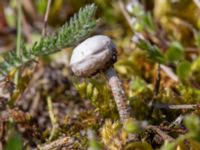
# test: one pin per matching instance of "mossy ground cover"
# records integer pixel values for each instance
(158, 64)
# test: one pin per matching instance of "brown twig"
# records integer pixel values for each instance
(171, 106)
(52, 118)
(126, 15)
(157, 81)
(156, 88)
(158, 131)
(46, 17)
(57, 144)
(192, 50)
(174, 130)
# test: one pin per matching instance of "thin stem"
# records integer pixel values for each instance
(126, 15)
(19, 27)
(43, 34)
(157, 81)
(171, 106)
(156, 89)
(19, 30)
(57, 144)
(121, 99)
(49, 101)
(46, 17)
(52, 118)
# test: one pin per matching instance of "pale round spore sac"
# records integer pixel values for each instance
(92, 55)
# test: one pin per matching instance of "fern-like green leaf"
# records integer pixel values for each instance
(152, 50)
(79, 26)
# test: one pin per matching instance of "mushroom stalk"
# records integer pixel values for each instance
(119, 94)
(97, 54)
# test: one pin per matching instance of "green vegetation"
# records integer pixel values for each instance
(158, 45)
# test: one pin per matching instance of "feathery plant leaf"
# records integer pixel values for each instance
(79, 26)
(152, 50)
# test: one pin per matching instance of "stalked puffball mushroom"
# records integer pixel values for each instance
(98, 54)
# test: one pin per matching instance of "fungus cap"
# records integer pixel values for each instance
(94, 54)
